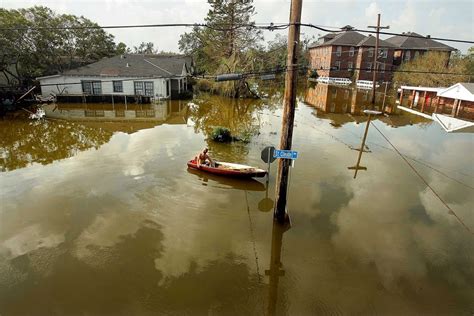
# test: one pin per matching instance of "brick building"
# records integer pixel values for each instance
(408, 48)
(349, 54)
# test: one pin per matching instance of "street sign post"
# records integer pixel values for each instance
(285, 154)
(267, 156)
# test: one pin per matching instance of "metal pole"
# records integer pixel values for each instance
(376, 53)
(362, 146)
(288, 110)
(269, 164)
(384, 96)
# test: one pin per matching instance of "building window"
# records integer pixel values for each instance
(382, 67)
(407, 55)
(149, 91)
(346, 94)
(369, 67)
(334, 93)
(350, 65)
(384, 53)
(118, 86)
(91, 87)
(417, 53)
(139, 87)
(167, 87)
(351, 51)
(371, 52)
(337, 64)
(144, 88)
(339, 51)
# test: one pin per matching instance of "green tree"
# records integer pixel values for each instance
(122, 49)
(222, 46)
(430, 64)
(145, 48)
(470, 63)
(37, 41)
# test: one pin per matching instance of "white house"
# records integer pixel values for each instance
(131, 75)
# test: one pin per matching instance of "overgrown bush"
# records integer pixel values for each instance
(203, 85)
(221, 134)
(313, 74)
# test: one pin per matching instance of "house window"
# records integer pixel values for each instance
(350, 65)
(369, 67)
(144, 88)
(384, 53)
(382, 67)
(337, 65)
(339, 51)
(149, 91)
(346, 94)
(118, 86)
(91, 87)
(167, 87)
(139, 87)
(371, 52)
(351, 51)
(407, 55)
(417, 53)
(334, 93)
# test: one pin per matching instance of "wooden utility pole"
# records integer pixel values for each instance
(376, 54)
(288, 109)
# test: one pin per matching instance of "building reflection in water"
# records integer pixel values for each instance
(275, 271)
(346, 100)
(169, 111)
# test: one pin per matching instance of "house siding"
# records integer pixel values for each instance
(70, 85)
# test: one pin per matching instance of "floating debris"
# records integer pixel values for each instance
(40, 113)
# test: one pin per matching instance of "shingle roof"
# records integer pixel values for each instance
(469, 86)
(135, 65)
(348, 38)
(407, 42)
(370, 41)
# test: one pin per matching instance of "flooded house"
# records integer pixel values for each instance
(133, 77)
(453, 106)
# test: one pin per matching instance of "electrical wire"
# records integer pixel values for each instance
(451, 211)
(262, 26)
(387, 33)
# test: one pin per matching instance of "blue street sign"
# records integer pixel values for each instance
(285, 154)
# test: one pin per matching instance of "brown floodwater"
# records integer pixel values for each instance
(99, 214)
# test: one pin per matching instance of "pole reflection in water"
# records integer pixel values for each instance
(275, 271)
(358, 167)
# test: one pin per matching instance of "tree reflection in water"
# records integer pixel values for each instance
(24, 142)
(240, 116)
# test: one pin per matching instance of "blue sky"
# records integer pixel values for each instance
(442, 18)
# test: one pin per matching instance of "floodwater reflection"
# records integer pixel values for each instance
(126, 229)
(225, 182)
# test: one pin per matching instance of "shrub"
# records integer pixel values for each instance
(221, 134)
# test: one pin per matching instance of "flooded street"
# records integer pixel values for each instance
(99, 214)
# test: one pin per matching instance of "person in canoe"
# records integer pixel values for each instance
(204, 159)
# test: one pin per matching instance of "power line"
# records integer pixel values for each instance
(424, 181)
(391, 33)
(252, 74)
(263, 26)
